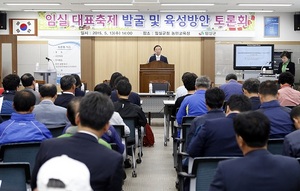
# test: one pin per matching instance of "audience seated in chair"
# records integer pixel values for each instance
(115, 119)
(287, 96)
(78, 91)
(194, 105)
(72, 111)
(188, 80)
(181, 90)
(279, 116)
(232, 86)
(10, 84)
(105, 165)
(217, 137)
(46, 112)
(250, 89)
(258, 170)
(291, 144)
(23, 127)
(126, 109)
(113, 77)
(133, 97)
(29, 84)
(214, 99)
(67, 84)
(63, 173)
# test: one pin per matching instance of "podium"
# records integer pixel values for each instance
(49, 76)
(156, 71)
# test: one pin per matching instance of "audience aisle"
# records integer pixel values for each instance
(156, 172)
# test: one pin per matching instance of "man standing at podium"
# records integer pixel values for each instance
(157, 55)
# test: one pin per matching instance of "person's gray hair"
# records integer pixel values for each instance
(203, 82)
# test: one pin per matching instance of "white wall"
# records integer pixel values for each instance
(224, 46)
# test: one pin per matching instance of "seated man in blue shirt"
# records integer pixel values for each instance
(10, 84)
(23, 127)
(194, 105)
(232, 86)
(281, 123)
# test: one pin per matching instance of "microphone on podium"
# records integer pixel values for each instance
(51, 62)
(262, 71)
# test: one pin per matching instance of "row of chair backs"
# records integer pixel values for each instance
(20, 152)
(14, 176)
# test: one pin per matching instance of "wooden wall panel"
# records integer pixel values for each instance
(116, 54)
(208, 58)
(125, 54)
(88, 61)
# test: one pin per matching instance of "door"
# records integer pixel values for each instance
(8, 55)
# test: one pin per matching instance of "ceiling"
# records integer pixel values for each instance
(149, 5)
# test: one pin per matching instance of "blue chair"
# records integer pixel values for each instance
(57, 131)
(120, 130)
(14, 176)
(5, 117)
(160, 86)
(275, 146)
(180, 143)
(202, 172)
(131, 122)
(20, 152)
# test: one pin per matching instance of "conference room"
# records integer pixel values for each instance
(94, 39)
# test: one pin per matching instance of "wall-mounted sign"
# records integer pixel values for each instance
(271, 27)
(156, 24)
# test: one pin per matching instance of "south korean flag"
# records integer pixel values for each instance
(24, 27)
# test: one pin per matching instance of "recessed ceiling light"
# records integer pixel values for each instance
(103, 4)
(47, 10)
(32, 4)
(186, 4)
(265, 4)
(108, 10)
(250, 11)
(182, 11)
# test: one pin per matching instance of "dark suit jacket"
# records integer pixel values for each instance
(79, 92)
(162, 58)
(260, 171)
(105, 165)
(215, 138)
(63, 100)
(290, 68)
(197, 123)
